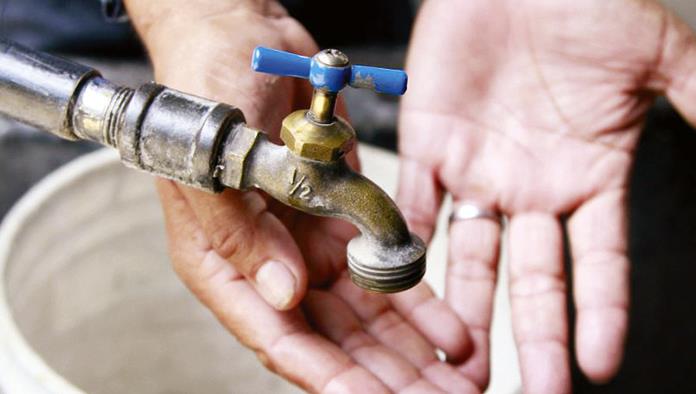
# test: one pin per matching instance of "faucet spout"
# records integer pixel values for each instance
(385, 257)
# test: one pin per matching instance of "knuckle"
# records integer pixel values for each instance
(232, 242)
(536, 284)
(266, 361)
(473, 270)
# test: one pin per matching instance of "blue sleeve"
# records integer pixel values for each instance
(114, 11)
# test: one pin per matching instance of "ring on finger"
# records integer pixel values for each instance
(469, 211)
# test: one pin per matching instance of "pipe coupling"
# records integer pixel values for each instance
(175, 135)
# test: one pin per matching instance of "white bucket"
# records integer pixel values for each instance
(89, 302)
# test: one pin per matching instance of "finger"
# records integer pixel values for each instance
(332, 317)
(597, 233)
(390, 328)
(676, 73)
(323, 241)
(419, 197)
(435, 320)
(282, 340)
(344, 326)
(382, 322)
(448, 378)
(255, 242)
(471, 280)
(537, 292)
(183, 230)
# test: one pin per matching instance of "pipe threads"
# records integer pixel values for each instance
(386, 270)
(115, 115)
(390, 280)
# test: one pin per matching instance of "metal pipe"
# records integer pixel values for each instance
(94, 109)
(40, 90)
(205, 144)
(159, 130)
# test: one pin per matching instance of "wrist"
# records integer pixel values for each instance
(157, 20)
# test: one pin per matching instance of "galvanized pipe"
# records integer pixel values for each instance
(94, 109)
(40, 90)
(156, 129)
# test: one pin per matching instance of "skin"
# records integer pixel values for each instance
(537, 105)
(534, 108)
(322, 333)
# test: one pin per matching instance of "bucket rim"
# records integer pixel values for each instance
(23, 369)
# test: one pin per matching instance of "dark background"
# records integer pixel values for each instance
(661, 348)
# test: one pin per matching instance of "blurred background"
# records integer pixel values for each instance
(661, 348)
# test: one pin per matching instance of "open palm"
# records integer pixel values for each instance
(534, 108)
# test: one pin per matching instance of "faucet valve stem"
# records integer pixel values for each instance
(323, 106)
(324, 100)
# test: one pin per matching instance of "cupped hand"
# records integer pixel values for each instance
(534, 108)
(275, 277)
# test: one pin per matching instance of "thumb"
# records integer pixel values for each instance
(241, 230)
(677, 68)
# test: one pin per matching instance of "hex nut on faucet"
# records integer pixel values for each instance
(314, 141)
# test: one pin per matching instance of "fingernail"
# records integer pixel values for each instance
(276, 284)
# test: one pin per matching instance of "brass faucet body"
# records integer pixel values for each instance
(384, 258)
(311, 174)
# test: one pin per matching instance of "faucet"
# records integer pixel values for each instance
(208, 145)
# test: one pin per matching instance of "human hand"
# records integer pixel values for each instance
(534, 108)
(251, 259)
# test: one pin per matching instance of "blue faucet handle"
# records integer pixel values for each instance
(329, 70)
(381, 80)
(273, 61)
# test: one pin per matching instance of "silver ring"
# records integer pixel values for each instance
(468, 211)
